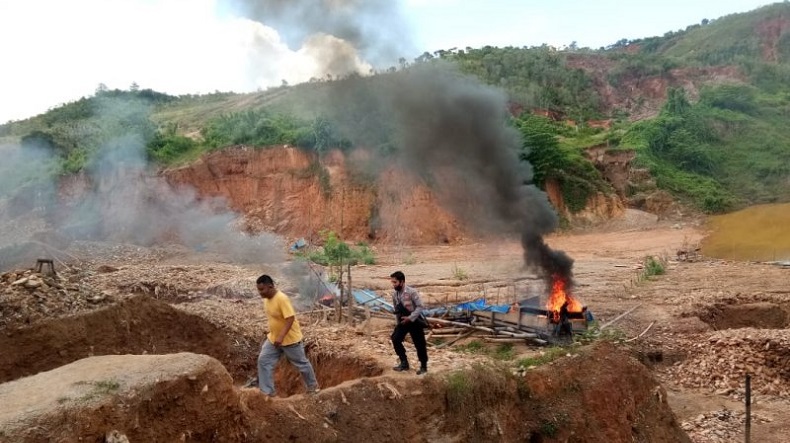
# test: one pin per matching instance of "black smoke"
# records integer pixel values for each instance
(450, 124)
(450, 132)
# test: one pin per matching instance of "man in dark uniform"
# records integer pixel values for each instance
(410, 320)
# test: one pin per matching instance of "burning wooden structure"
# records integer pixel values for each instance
(552, 317)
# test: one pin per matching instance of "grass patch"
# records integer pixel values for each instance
(473, 347)
(548, 428)
(98, 389)
(459, 273)
(336, 252)
(594, 333)
(503, 351)
(652, 266)
(547, 356)
(410, 259)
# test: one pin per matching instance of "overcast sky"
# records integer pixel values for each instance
(55, 51)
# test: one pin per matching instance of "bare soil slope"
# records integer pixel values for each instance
(601, 395)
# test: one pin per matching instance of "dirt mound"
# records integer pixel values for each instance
(599, 395)
(179, 397)
(141, 325)
(138, 325)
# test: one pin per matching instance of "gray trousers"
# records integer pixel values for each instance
(269, 357)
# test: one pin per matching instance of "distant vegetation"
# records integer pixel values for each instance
(534, 77)
(723, 147)
(577, 178)
(728, 148)
(336, 252)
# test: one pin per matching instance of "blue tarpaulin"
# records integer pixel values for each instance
(298, 244)
(481, 305)
(366, 297)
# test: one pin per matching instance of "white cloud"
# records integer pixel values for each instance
(58, 51)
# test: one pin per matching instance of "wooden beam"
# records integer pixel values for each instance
(616, 319)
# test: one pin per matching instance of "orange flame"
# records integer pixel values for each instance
(559, 296)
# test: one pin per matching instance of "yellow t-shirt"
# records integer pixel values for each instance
(278, 308)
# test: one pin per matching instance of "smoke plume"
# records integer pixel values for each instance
(118, 199)
(450, 124)
(450, 132)
(375, 29)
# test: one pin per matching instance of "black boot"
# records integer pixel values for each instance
(423, 369)
(403, 366)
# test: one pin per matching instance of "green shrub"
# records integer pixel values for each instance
(653, 266)
(336, 252)
(167, 149)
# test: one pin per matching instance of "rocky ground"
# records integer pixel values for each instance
(704, 324)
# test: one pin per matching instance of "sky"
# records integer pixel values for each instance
(57, 51)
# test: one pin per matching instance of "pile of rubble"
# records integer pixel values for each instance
(27, 296)
(174, 283)
(244, 318)
(719, 426)
(721, 360)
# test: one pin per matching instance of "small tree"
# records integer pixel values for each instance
(336, 252)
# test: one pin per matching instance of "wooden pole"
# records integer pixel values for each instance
(748, 435)
(460, 325)
(613, 321)
(349, 294)
(351, 300)
(339, 301)
(643, 332)
(459, 337)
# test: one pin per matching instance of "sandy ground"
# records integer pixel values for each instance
(607, 270)
(608, 276)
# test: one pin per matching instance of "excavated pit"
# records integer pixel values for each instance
(142, 325)
(761, 315)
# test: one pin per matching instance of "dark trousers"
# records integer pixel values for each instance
(417, 337)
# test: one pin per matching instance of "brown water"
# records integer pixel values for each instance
(756, 233)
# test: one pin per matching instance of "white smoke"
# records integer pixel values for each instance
(121, 200)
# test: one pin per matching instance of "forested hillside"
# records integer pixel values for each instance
(704, 109)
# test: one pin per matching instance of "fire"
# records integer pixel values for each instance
(559, 296)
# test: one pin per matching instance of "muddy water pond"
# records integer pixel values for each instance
(760, 233)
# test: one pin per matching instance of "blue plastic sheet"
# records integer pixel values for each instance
(366, 297)
(481, 305)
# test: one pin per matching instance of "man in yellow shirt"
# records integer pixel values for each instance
(285, 337)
